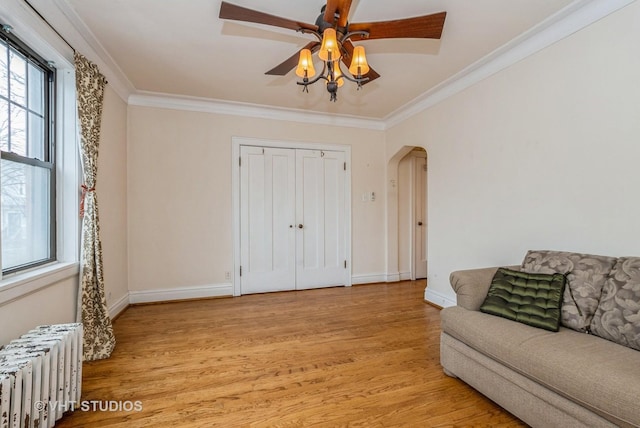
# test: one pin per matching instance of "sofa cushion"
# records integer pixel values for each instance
(530, 298)
(586, 275)
(595, 373)
(618, 315)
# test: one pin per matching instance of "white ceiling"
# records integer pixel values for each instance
(181, 47)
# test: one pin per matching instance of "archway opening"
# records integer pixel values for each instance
(406, 229)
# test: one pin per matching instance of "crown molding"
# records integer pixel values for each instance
(574, 17)
(206, 105)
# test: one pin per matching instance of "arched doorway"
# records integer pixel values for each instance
(407, 214)
(412, 215)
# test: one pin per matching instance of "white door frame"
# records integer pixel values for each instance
(236, 142)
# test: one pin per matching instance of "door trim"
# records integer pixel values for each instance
(236, 142)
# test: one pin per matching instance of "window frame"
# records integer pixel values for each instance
(48, 143)
(42, 39)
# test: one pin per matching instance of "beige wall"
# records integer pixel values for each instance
(541, 155)
(112, 196)
(179, 193)
(50, 305)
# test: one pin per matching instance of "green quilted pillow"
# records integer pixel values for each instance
(534, 299)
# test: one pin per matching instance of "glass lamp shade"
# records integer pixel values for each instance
(330, 49)
(359, 66)
(337, 75)
(305, 64)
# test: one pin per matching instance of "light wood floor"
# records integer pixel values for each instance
(363, 356)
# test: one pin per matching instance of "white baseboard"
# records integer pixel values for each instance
(368, 278)
(393, 277)
(438, 299)
(118, 306)
(380, 277)
(183, 293)
(405, 276)
(226, 290)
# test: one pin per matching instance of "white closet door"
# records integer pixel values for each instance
(420, 198)
(320, 213)
(267, 235)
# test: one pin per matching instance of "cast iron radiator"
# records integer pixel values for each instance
(40, 376)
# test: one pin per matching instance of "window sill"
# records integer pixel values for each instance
(19, 285)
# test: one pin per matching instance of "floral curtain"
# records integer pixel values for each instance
(99, 340)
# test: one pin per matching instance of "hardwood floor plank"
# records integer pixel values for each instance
(358, 356)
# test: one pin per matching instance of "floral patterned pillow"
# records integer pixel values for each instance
(586, 275)
(618, 315)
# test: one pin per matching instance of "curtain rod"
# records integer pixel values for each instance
(50, 26)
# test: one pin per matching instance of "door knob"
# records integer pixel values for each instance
(300, 226)
(419, 223)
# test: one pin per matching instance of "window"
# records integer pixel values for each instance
(27, 158)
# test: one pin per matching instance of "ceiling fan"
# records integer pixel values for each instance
(334, 16)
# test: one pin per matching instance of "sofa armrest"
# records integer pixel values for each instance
(471, 286)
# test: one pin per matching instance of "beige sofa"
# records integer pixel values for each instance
(568, 378)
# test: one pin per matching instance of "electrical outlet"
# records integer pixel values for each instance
(227, 275)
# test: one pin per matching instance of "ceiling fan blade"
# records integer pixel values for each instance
(290, 63)
(343, 10)
(340, 7)
(331, 10)
(420, 27)
(239, 13)
(346, 59)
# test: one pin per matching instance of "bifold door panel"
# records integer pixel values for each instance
(320, 205)
(292, 226)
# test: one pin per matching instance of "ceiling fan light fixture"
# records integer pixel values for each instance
(333, 19)
(305, 67)
(330, 49)
(359, 66)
